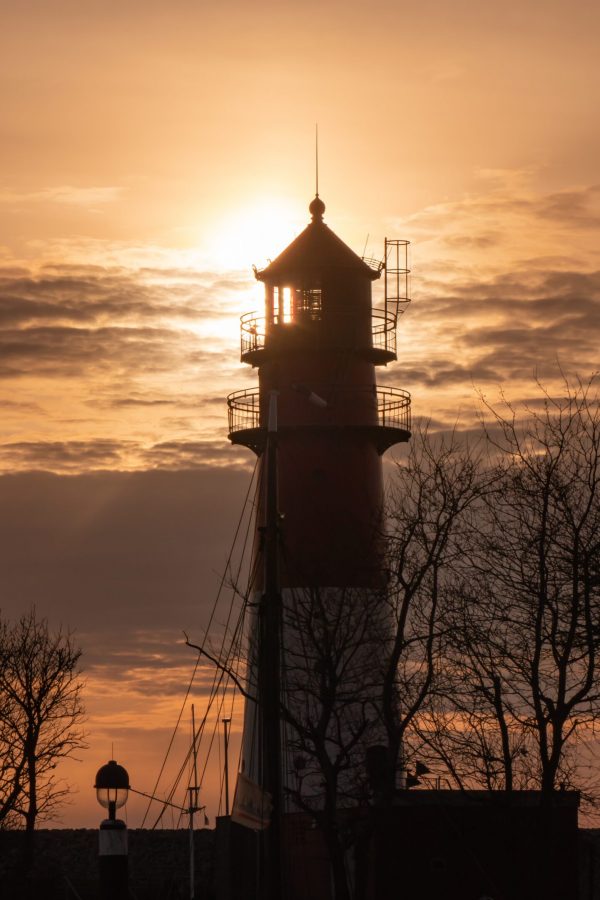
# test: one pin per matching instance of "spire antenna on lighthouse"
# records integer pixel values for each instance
(317, 159)
(316, 207)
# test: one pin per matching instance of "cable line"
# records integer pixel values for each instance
(207, 631)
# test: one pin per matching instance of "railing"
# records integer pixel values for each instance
(383, 328)
(253, 332)
(393, 407)
(243, 410)
(376, 264)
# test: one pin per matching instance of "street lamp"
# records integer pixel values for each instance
(112, 788)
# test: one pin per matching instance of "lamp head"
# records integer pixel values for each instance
(112, 785)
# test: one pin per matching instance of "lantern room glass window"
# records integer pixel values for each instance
(282, 305)
(309, 303)
(296, 304)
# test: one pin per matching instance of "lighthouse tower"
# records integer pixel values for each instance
(316, 346)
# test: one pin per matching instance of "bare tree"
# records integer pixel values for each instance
(434, 497)
(41, 715)
(470, 721)
(329, 708)
(524, 655)
(333, 644)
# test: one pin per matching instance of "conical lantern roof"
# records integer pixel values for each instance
(316, 248)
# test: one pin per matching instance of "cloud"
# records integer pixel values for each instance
(581, 207)
(480, 330)
(64, 456)
(157, 400)
(78, 321)
(448, 373)
(63, 350)
(81, 196)
(111, 367)
(503, 226)
(112, 554)
(191, 454)
(66, 194)
(130, 366)
(483, 239)
(119, 402)
(75, 457)
(18, 406)
(77, 294)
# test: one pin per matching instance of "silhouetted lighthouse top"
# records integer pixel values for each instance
(319, 290)
(319, 248)
(316, 345)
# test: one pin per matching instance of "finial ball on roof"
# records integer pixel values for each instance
(316, 209)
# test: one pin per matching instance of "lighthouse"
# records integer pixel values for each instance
(319, 423)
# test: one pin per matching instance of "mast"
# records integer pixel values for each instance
(193, 807)
(226, 723)
(270, 666)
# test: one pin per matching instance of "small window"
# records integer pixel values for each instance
(309, 302)
(287, 304)
(282, 305)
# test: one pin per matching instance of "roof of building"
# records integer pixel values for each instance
(317, 247)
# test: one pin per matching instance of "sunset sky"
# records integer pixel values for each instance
(150, 153)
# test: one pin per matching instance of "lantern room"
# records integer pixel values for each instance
(318, 297)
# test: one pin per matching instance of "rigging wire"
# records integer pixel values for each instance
(223, 663)
(224, 670)
(212, 615)
(220, 674)
(218, 677)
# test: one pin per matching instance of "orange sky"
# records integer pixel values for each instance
(149, 154)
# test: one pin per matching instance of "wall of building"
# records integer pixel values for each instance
(66, 865)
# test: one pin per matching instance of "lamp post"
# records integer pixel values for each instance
(112, 788)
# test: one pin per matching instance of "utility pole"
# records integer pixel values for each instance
(226, 722)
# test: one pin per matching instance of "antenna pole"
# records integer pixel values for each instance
(316, 160)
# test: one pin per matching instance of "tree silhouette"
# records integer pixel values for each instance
(41, 715)
(435, 494)
(522, 658)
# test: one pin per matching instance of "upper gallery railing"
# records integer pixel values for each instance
(393, 406)
(254, 332)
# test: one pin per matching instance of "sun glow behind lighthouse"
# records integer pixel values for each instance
(247, 235)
